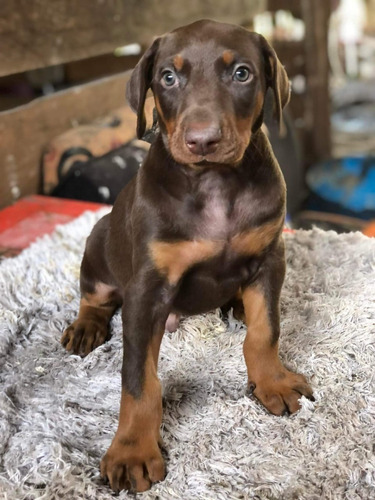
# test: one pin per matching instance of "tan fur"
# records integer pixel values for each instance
(255, 240)
(178, 62)
(174, 259)
(95, 312)
(228, 57)
(256, 316)
(273, 384)
(137, 414)
(135, 445)
(170, 125)
(102, 295)
(245, 125)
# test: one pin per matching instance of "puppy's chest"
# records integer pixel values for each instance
(216, 225)
(213, 219)
(219, 215)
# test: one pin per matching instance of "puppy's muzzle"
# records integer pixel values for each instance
(203, 138)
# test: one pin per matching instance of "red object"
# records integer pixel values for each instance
(369, 229)
(34, 216)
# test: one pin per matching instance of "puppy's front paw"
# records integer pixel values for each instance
(133, 464)
(84, 335)
(280, 392)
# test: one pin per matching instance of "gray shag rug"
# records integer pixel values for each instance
(58, 413)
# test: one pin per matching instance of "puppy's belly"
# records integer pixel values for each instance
(199, 294)
(203, 290)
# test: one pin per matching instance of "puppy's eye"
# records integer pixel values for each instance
(241, 74)
(169, 78)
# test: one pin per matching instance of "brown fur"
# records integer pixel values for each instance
(137, 438)
(197, 229)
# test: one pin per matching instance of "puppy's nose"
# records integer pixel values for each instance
(202, 138)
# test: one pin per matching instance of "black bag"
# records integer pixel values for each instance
(99, 179)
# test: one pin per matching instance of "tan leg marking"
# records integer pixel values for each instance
(174, 259)
(102, 296)
(277, 388)
(90, 329)
(255, 240)
(133, 460)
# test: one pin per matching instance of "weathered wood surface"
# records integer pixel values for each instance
(317, 114)
(38, 33)
(26, 130)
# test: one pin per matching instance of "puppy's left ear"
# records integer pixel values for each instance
(276, 78)
(139, 83)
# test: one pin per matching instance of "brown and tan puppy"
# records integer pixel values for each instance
(198, 228)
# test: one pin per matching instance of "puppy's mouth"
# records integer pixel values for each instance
(205, 162)
(209, 161)
(225, 157)
(201, 163)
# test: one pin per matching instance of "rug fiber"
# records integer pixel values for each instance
(58, 413)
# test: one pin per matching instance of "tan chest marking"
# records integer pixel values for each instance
(255, 240)
(174, 259)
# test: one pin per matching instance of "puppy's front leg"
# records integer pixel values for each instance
(133, 460)
(276, 387)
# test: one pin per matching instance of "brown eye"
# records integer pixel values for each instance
(241, 74)
(169, 78)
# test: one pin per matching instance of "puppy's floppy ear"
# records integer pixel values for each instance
(276, 77)
(139, 83)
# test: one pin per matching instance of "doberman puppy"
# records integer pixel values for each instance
(198, 228)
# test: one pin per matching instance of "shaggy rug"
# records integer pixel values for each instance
(58, 413)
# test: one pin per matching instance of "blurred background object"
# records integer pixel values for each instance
(63, 71)
(328, 49)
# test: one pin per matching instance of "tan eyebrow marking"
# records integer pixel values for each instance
(178, 62)
(228, 57)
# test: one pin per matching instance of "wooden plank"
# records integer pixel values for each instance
(78, 72)
(317, 115)
(38, 33)
(26, 130)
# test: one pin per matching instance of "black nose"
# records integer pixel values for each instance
(202, 139)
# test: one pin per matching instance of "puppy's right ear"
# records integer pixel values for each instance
(276, 77)
(139, 83)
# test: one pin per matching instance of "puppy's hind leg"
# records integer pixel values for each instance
(90, 330)
(236, 304)
(99, 298)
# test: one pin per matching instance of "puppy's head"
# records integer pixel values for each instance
(209, 82)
